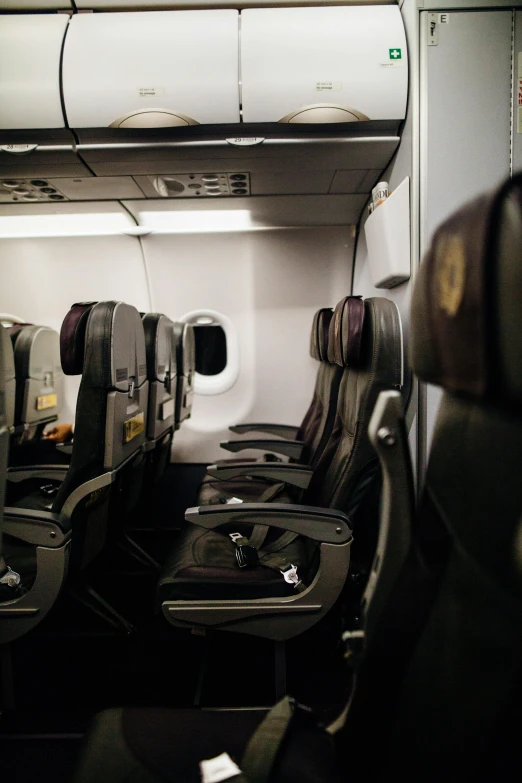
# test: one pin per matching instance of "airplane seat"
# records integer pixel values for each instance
(9, 581)
(185, 342)
(439, 669)
(39, 391)
(309, 439)
(162, 376)
(105, 343)
(213, 562)
(7, 371)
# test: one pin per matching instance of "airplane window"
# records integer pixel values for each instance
(217, 351)
(211, 347)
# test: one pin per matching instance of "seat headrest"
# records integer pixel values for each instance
(345, 332)
(159, 345)
(466, 315)
(319, 336)
(72, 338)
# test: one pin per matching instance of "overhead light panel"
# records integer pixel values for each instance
(64, 225)
(197, 221)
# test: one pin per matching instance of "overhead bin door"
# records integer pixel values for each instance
(151, 69)
(30, 47)
(323, 64)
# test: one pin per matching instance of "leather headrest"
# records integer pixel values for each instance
(466, 314)
(319, 336)
(345, 333)
(72, 338)
(158, 345)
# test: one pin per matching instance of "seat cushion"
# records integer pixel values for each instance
(203, 565)
(157, 745)
(247, 489)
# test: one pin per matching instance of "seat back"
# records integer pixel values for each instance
(39, 376)
(6, 376)
(318, 421)
(365, 338)
(443, 677)
(185, 343)
(7, 371)
(162, 377)
(104, 342)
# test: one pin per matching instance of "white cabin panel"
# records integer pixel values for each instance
(47, 275)
(145, 69)
(269, 284)
(30, 50)
(329, 60)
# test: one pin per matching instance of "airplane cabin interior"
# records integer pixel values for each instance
(260, 390)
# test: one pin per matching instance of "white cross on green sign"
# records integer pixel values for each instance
(395, 54)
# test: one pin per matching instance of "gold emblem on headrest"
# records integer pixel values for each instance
(451, 274)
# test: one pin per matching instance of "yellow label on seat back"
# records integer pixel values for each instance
(46, 401)
(133, 427)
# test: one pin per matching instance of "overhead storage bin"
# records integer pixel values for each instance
(328, 64)
(152, 69)
(30, 47)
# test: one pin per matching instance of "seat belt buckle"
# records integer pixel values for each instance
(291, 576)
(246, 556)
(48, 490)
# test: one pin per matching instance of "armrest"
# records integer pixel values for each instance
(65, 448)
(54, 472)
(40, 528)
(289, 448)
(290, 473)
(320, 524)
(280, 430)
(388, 435)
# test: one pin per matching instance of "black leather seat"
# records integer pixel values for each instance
(365, 339)
(63, 523)
(439, 688)
(39, 392)
(185, 345)
(162, 376)
(8, 580)
(303, 444)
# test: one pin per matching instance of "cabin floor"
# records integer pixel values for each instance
(73, 664)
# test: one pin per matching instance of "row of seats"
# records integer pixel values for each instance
(438, 656)
(291, 546)
(136, 388)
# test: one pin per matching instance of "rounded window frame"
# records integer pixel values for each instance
(209, 385)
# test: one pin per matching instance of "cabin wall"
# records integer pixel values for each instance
(465, 150)
(42, 277)
(268, 282)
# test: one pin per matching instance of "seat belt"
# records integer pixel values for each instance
(248, 556)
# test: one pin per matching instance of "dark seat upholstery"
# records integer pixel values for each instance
(39, 393)
(439, 690)
(106, 344)
(314, 431)
(185, 344)
(162, 376)
(39, 377)
(203, 565)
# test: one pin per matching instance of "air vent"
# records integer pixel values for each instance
(210, 184)
(28, 190)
